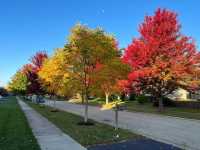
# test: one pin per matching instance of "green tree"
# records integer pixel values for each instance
(87, 48)
(3, 91)
(19, 83)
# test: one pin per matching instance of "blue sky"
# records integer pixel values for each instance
(27, 26)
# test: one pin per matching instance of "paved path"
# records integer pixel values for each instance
(48, 135)
(183, 133)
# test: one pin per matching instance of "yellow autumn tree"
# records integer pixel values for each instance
(54, 74)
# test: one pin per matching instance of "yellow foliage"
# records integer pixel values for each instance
(111, 105)
(54, 72)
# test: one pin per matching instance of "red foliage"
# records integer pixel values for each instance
(37, 60)
(124, 86)
(31, 70)
(162, 59)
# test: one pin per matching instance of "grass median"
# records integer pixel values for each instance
(86, 135)
(189, 113)
(15, 133)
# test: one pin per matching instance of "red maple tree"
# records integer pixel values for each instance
(162, 59)
(31, 70)
(37, 60)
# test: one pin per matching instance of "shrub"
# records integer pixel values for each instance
(112, 97)
(188, 104)
(166, 102)
(123, 97)
(132, 97)
(142, 99)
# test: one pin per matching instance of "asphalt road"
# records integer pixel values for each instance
(142, 144)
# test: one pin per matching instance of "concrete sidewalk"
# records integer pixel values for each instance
(183, 133)
(48, 135)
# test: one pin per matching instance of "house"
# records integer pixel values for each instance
(184, 95)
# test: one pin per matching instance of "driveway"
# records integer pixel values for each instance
(141, 144)
(183, 133)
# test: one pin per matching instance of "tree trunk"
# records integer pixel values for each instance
(160, 105)
(82, 98)
(107, 98)
(49, 100)
(54, 104)
(54, 101)
(116, 117)
(86, 109)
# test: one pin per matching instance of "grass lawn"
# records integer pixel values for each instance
(94, 102)
(15, 133)
(85, 135)
(134, 106)
(170, 111)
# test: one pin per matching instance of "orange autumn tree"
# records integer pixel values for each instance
(162, 59)
(108, 77)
